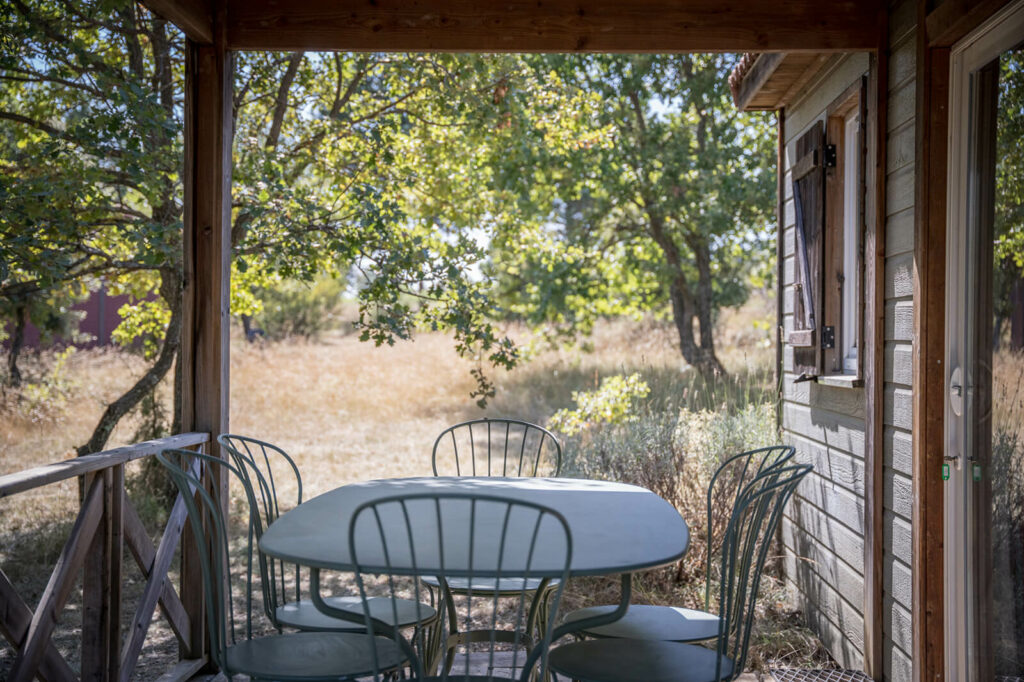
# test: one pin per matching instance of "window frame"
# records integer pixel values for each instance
(838, 185)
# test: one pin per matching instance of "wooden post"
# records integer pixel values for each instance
(929, 354)
(101, 584)
(206, 244)
(873, 354)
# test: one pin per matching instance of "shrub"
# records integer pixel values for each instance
(612, 403)
(45, 398)
(297, 309)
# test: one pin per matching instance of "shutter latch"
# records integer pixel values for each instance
(830, 156)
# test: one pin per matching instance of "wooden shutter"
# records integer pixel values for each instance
(809, 204)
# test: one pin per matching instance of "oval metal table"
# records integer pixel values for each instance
(616, 529)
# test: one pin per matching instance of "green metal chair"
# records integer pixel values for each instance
(674, 623)
(291, 656)
(495, 447)
(261, 466)
(389, 554)
(748, 538)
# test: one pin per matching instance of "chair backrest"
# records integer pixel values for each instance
(730, 478)
(748, 538)
(264, 468)
(210, 529)
(477, 538)
(496, 447)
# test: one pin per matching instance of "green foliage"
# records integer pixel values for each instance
(297, 309)
(339, 159)
(672, 442)
(1008, 228)
(612, 403)
(1009, 219)
(641, 187)
(143, 324)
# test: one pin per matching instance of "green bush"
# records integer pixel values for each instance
(298, 309)
(673, 450)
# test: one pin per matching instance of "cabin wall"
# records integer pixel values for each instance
(823, 531)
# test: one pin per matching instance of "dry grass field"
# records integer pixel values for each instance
(346, 411)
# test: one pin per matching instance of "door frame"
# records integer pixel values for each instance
(939, 27)
(966, 584)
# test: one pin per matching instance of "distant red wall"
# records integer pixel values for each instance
(100, 319)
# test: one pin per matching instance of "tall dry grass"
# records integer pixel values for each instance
(347, 411)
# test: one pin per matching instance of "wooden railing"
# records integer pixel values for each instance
(106, 523)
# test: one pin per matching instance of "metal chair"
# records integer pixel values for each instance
(525, 538)
(292, 656)
(748, 537)
(495, 447)
(256, 462)
(677, 624)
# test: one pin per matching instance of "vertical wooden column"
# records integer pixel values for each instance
(207, 246)
(929, 354)
(873, 349)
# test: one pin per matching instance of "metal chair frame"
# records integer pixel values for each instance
(262, 488)
(525, 464)
(772, 456)
(391, 539)
(749, 536)
(736, 471)
(210, 529)
(755, 517)
(253, 459)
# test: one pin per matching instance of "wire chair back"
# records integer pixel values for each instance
(748, 539)
(210, 530)
(478, 537)
(496, 447)
(729, 480)
(268, 474)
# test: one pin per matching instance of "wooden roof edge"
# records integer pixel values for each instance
(750, 75)
(193, 17)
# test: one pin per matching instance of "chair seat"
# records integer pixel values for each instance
(637, 660)
(304, 615)
(312, 655)
(506, 586)
(668, 623)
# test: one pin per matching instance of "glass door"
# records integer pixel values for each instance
(985, 356)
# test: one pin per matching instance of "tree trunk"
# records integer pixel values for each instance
(170, 290)
(705, 307)
(17, 343)
(685, 308)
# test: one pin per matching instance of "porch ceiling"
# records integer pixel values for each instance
(529, 25)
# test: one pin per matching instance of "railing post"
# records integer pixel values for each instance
(101, 584)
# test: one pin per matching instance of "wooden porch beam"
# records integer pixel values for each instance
(191, 16)
(953, 19)
(551, 25)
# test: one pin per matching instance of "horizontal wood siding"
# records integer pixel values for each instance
(897, 414)
(823, 532)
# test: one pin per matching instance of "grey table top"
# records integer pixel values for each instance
(615, 528)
